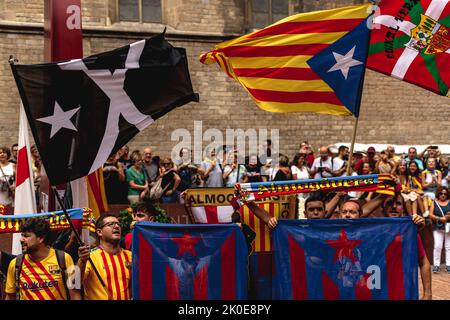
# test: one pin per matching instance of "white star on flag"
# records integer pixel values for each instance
(344, 63)
(60, 119)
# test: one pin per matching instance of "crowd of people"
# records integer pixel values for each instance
(131, 178)
(424, 177)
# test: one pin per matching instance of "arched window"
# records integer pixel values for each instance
(139, 10)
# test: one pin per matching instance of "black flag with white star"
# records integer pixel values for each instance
(80, 111)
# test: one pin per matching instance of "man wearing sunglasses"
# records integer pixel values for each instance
(112, 262)
(144, 211)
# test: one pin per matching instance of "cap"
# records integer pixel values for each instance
(371, 150)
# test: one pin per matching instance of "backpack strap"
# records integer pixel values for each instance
(60, 257)
(17, 271)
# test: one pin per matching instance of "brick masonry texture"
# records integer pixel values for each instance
(391, 112)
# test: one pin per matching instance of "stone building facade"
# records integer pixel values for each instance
(391, 112)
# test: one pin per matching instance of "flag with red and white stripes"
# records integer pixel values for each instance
(212, 214)
(410, 41)
(24, 199)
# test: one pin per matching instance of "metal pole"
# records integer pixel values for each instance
(77, 236)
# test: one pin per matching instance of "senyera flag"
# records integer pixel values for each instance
(81, 111)
(213, 206)
(309, 62)
(410, 41)
(381, 183)
(189, 262)
(358, 259)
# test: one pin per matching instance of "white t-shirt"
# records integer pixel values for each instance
(318, 162)
(233, 177)
(337, 165)
(353, 194)
(302, 174)
(5, 198)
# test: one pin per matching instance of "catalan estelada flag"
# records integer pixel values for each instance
(309, 62)
(346, 259)
(410, 41)
(189, 262)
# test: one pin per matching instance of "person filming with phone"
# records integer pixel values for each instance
(323, 165)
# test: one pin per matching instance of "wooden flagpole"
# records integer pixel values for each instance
(352, 146)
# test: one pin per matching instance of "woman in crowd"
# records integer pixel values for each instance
(300, 171)
(114, 178)
(284, 171)
(253, 170)
(431, 179)
(170, 181)
(7, 174)
(410, 197)
(188, 172)
(137, 182)
(233, 172)
(440, 215)
(414, 199)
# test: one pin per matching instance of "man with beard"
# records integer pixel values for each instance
(112, 263)
(340, 162)
(40, 272)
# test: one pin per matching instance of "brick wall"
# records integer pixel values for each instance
(391, 111)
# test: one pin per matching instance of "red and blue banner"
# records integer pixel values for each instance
(358, 259)
(380, 183)
(189, 262)
(81, 218)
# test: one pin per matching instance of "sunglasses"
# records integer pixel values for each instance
(443, 193)
(166, 164)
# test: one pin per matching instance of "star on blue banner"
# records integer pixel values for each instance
(342, 64)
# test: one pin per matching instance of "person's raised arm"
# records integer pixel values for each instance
(333, 203)
(370, 206)
(262, 214)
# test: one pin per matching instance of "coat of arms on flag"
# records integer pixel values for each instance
(410, 41)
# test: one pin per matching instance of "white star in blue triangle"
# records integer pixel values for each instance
(345, 62)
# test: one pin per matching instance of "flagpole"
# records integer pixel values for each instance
(359, 98)
(352, 146)
(77, 236)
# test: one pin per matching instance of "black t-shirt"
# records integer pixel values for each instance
(5, 260)
(281, 176)
(254, 174)
(168, 180)
(116, 190)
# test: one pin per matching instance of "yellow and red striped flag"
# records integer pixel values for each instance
(275, 64)
(282, 208)
(96, 193)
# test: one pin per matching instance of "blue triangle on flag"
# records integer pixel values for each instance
(341, 65)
